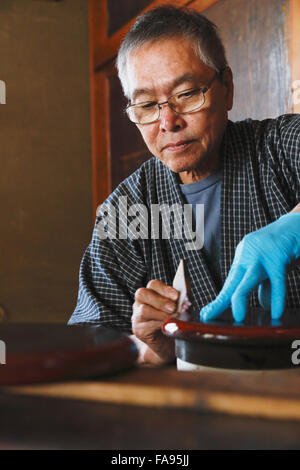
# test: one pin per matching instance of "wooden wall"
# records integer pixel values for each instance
(255, 35)
(45, 164)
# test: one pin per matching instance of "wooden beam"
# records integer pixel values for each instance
(99, 105)
(109, 48)
(202, 5)
(100, 112)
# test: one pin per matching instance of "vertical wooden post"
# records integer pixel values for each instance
(99, 99)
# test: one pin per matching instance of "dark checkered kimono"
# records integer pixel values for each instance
(261, 182)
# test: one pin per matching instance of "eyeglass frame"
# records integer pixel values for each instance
(203, 90)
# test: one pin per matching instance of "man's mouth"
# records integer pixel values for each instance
(177, 146)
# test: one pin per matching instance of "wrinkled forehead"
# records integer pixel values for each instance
(159, 65)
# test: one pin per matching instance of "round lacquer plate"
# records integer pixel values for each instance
(256, 344)
(46, 352)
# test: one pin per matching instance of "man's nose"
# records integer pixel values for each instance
(169, 120)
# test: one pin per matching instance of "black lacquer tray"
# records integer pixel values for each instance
(256, 344)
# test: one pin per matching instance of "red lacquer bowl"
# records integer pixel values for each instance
(257, 345)
(47, 352)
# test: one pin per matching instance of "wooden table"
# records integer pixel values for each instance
(156, 408)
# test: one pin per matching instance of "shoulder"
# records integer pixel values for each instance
(270, 139)
(286, 125)
(286, 129)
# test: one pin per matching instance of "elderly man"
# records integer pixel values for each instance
(174, 72)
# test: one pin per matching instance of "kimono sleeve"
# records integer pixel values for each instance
(111, 270)
(287, 141)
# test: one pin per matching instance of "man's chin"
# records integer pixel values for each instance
(183, 163)
(179, 168)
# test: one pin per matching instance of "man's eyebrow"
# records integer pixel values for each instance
(187, 77)
(141, 91)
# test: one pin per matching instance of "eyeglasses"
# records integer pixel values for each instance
(183, 102)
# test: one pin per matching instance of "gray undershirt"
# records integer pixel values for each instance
(208, 192)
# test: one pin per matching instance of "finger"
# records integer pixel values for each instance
(162, 289)
(222, 301)
(277, 295)
(264, 294)
(144, 313)
(239, 301)
(148, 296)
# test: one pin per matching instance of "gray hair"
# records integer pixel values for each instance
(169, 21)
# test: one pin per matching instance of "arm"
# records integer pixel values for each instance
(111, 271)
(111, 275)
(261, 259)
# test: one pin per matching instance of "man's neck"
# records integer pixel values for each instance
(194, 175)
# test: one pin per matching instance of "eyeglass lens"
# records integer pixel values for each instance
(184, 102)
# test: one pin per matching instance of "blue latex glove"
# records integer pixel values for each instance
(261, 259)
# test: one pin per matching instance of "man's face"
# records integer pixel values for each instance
(183, 142)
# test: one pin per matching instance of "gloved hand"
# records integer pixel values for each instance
(261, 259)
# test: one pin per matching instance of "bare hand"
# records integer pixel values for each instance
(153, 305)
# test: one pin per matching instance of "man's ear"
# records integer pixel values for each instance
(227, 80)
